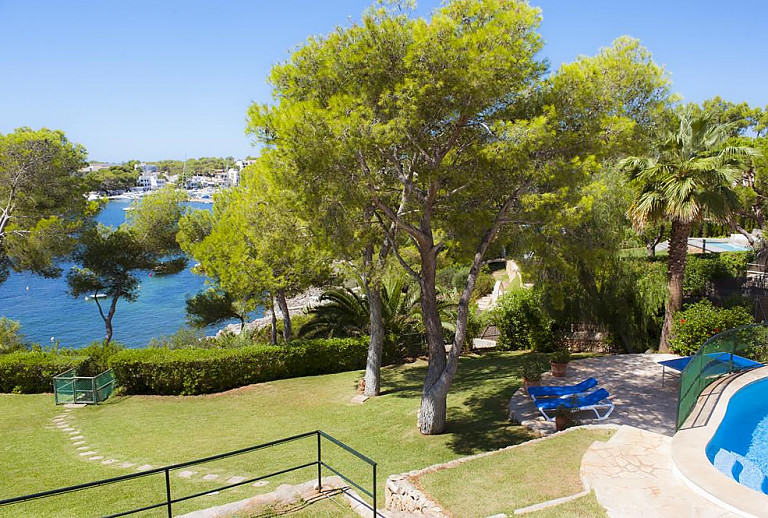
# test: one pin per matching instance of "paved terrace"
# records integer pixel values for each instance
(634, 383)
(632, 474)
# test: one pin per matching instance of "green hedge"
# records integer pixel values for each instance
(201, 371)
(32, 372)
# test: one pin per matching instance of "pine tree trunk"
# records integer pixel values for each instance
(678, 252)
(432, 414)
(283, 305)
(108, 325)
(376, 347)
(273, 322)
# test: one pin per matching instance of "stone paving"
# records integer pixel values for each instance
(632, 475)
(634, 382)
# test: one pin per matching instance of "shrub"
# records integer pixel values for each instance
(700, 321)
(11, 338)
(484, 284)
(444, 278)
(98, 354)
(460, 278)
(263, 335)
(32, 372)
(200, 371)
(701, 270)
(522, 322)
(735, 263)
(184, 338)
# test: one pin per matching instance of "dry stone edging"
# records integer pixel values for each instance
(402, 495)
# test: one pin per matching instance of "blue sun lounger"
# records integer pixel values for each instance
(717, 363)
(594, 401)
(569, 390)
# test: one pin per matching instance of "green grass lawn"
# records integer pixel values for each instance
(164, 430)
(523, 476)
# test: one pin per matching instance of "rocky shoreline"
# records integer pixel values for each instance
(296, 306)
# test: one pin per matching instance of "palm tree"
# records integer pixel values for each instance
(691, 179)
(344, 313)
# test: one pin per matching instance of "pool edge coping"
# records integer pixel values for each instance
(690, 460)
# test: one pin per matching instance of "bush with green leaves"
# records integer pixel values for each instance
(522, 322)
(700, 321)
(702, 270)
(98, 354)
(484, 284)
(32, 372)
(11, 338)
(166, 371)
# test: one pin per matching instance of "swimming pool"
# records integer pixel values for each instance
(739, 447)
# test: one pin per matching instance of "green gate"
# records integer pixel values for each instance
(68, 387)
(730, 351)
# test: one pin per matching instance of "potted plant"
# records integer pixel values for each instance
(563, 418)
(530, 370)
(559, 361)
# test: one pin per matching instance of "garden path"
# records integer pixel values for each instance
(67, 423)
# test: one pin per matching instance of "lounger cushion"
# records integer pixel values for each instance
(584, 401)
(562, 391)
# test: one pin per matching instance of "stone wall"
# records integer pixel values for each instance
(404, 497)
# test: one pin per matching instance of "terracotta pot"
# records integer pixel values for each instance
(561, 422)
(530, 383)
(558, 369)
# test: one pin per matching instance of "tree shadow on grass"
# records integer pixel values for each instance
(477, 402)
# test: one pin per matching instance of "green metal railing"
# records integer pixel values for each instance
(719, 356)
(316, 460)
(68, 387)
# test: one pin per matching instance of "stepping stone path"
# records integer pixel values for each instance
(63, 423)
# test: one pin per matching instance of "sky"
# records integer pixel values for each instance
(157, 79)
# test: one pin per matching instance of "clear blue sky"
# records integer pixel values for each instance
(153, 79)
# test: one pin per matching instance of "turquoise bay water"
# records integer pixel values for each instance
(45, 310)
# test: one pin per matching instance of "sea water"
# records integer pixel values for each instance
(47, 313)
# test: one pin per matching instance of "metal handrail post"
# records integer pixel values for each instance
(319, 463)
(374, 490)
(168, 492)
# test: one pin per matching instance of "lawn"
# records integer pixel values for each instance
(516, 478)
(163, 430)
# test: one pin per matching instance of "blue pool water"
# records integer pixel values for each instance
(739, 447)
(45, 310)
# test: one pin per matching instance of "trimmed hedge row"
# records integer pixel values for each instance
(32, 372)
(202, 371)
